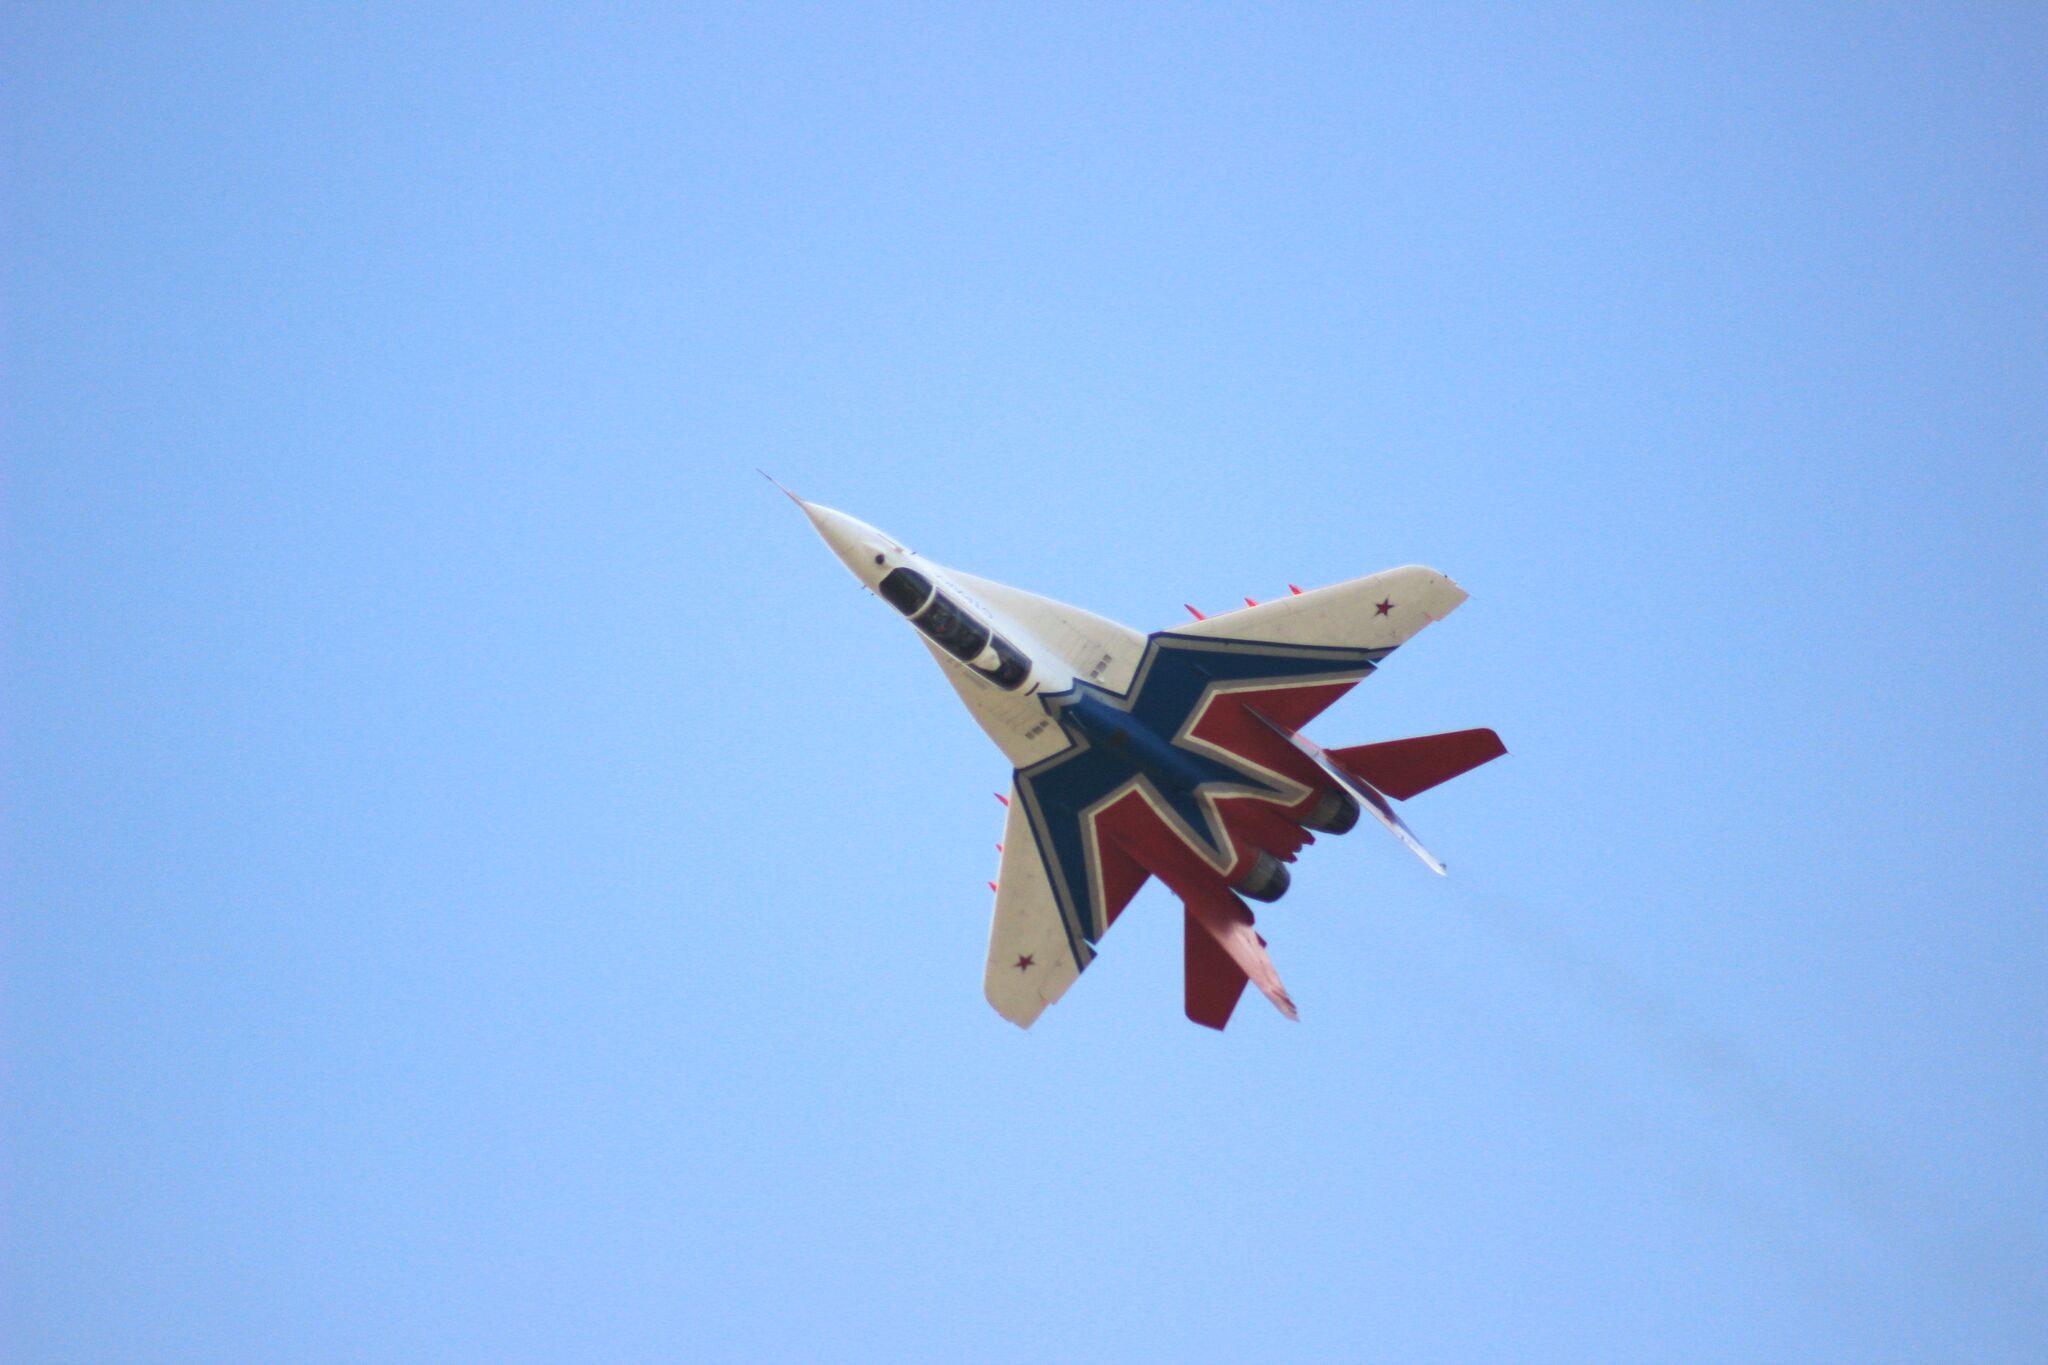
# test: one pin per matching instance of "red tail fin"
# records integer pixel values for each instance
(1214, 981)
(1227, 922)
(1404, 767)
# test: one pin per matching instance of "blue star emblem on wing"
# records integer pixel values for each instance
(1143, 739)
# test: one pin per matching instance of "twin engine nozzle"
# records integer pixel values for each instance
(1335, 813)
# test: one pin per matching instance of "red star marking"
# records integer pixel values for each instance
(1024, 961)
(1382, 608)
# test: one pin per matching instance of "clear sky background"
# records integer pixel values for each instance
(482, 883)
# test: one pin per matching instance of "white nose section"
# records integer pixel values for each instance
(854, 541)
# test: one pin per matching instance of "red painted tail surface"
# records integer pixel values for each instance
(1214, 981)
(1404, 767)
(1217, 915)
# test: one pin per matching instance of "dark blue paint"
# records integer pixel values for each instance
(1138, 737)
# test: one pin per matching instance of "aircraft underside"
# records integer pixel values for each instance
(1192, 777)
(1177, 755)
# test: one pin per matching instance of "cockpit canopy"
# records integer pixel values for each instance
(950, 626)
(906, 590)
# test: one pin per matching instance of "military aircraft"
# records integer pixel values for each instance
(1177, 755)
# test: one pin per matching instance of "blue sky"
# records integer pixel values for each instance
(481, 883)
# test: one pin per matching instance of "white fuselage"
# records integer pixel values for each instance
(1002, 649)
(1176, 755)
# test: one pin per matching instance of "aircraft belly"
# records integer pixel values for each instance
(1176, 755)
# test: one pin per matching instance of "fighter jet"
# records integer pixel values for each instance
(1177, 755)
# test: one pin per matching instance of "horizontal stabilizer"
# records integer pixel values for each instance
(1372, 799)
(1214, 980)
(1407, 767)
(1229, 922)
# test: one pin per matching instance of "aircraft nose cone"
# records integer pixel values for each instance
(854, 541)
